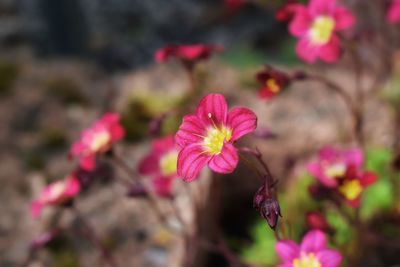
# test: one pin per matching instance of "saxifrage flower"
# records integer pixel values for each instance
(207, 136)
(161, 164)
(56, 193)
(393, 12)
(272, 82)
(312, 252)
(187, 53)
(332, 164)
(98, 139)
(316, 25)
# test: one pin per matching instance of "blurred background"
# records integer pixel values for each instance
(64, 63)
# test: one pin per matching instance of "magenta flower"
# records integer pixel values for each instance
(332, 164)
(187, 53)
(207, 137)
(312, 252)
(316, 26)
(272, 82)
(393, 12)
(56, 193)
(98, 139)
(161, 164)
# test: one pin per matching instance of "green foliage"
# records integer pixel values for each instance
(380, 196)
(66, 91)
(243, 57)
(8, 74)
(262, 248)
(343, 232)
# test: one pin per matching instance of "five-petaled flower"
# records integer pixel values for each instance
(56, 193)
(98, 139)
(207, 137)
(393, 12)
(272, 82)
(332, 164)
(161, 164)
(353, 183)
(188, 54)
(312, 252)
(316, 26)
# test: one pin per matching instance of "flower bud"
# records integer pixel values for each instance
(317, 220)
(267, 206)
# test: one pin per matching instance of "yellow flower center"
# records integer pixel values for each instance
(351, 189)
(322, 29)
(168, 163)
(100, 142)
(273, 85)
(335, 170)
(214, 140)
(306, 260)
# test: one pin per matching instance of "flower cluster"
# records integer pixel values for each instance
(316, 26)
(207, 137)
(97, 139)
(312, 252)
(341, 171)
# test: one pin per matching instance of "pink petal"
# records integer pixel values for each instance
(393, 13)
(109, 118)
(354, 157)
(329, 258)
(331, 51)
(213, 110)
(287, 250)
(242, 121)
(191, 160)
(72, 187)
(314, 168)
(36, 209)
(226, 161)
(163, 186)
(192, 130)
(77, 148)
(149, 164)
(306, 51)
(88, 163)
(368, 178)
(163, 144)
(313, 241)
(162, 54)
(343, 18)
(321, 7)
(328, 153)
(117, 132)
(301, 22)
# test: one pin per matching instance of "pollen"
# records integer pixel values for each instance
(306, 260)
(168, 163)
(273, 85)
(321, 30)
(100, 142)
(214, 140)
(351, 189)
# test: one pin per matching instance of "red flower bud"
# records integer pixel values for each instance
(267, 206)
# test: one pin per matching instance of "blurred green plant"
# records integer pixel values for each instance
(9, 72)
(66, 91)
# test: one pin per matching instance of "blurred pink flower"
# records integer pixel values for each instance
(332, 164)
(56, 193)
(187, 53)
(312, 252)
(161, 163)
(317, 221)
(207, 136)
(272, 82)
(234, 5)
(287, 11)
(316, 25)
(98, 139)
(393, 12)
(353, 184)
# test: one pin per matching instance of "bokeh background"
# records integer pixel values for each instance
(63, 63)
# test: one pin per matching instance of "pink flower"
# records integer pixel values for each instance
(316, 26)
(332, 164)
(272, 82)
(393, 12)
(353, 184)
(187, 53)
(207, 136)
(161, 163)
(98, 139)
(312, 252)
(56, 193)
(317, 221)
